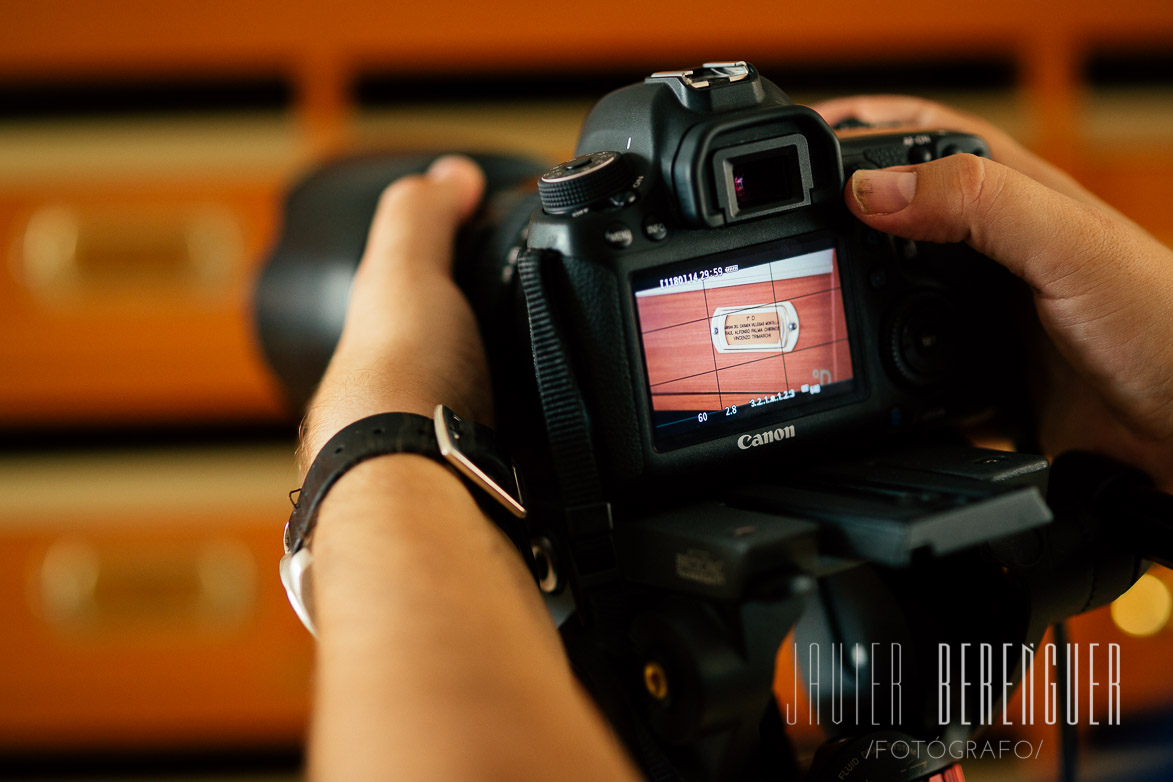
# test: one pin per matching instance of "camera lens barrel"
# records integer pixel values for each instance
(584, 181)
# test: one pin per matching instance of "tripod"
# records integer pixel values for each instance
(894, 555)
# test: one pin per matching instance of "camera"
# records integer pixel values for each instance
(720, 390)
(718, 306)
(719, 311)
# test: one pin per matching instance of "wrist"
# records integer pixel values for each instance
(465, 450)
(341, 405)
(345, 397)
(396, 498)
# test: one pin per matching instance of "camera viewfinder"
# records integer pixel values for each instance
(762, 178)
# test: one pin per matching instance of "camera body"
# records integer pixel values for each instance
(723, 312)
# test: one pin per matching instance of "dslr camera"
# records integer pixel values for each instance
(733, 410)
(719, 307)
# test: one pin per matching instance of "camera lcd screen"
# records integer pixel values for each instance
(733, 338)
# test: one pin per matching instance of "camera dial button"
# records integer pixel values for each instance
(655, 229)
(618, 235)
(920, 154)
(624, 198)
(578, 163)
(585, 181)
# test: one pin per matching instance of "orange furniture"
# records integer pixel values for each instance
(139, 604)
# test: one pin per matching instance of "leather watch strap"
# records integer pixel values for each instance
(471, 449)
(376, 435)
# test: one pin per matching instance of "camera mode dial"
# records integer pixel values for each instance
(585, 181)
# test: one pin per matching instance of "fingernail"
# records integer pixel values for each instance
(448, 167)
(883, 192)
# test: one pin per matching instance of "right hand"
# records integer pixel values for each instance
(1103, 287)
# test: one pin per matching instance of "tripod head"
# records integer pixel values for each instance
(913, 581)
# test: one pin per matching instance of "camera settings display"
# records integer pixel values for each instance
(758, 334)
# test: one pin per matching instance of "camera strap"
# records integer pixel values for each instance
(588, 515)
(567, 423)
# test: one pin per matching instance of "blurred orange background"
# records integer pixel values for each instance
(145, 147)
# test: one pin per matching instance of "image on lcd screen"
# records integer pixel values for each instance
(735, 339)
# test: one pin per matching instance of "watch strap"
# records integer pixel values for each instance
(471, 449)
(376, 435)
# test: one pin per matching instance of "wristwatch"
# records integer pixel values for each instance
(470, 449)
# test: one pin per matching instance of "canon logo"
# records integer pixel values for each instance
(746, 441)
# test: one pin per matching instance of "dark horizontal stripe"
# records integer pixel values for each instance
(84, 96)
(1137, 68)
(64, 437)
(119, 98)
(376, 88)
(154, 764)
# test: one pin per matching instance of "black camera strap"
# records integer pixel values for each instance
(562, 405)
(567, 423)
(588, 515)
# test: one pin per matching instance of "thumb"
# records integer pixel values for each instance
(417, 216)
(1102, 286)
(1053, 242)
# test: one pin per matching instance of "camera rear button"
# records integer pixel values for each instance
(624, 198)
(618, 235)
(874, 241)
(920, 154)
(655, 229)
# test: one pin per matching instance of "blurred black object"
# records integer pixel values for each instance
(302, 293)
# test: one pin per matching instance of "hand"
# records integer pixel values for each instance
(1103, 288)
(425, 624)
(410, 340)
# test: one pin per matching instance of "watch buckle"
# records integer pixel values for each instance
(448, 438)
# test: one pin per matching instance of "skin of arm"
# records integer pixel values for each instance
(436, 657)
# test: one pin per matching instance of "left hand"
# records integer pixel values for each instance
(410, 340)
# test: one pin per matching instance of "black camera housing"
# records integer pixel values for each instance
(712, 182)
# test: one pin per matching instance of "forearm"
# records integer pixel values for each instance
(436, 657)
